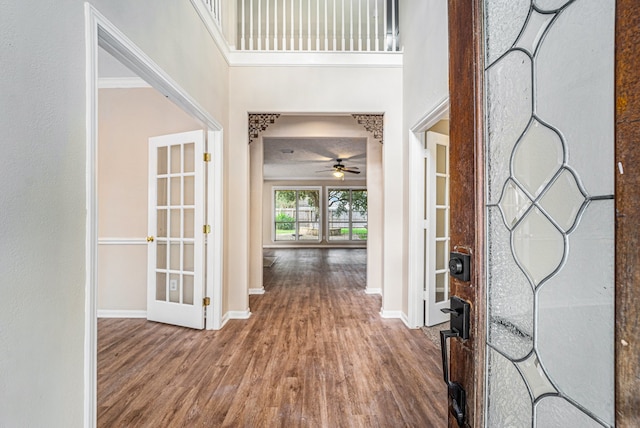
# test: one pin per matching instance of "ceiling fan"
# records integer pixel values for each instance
(339, 169)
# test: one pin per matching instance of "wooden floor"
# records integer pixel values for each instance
(315, 353)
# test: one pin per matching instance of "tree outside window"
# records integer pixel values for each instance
(297, 214)
(347, 213)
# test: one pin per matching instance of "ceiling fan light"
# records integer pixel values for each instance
(338, 174)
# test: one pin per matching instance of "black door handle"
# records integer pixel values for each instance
(459, 321)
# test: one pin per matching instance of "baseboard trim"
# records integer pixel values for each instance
(121, 313)
(256, 290)
(235, 315)
(373, 291)
(391, 314)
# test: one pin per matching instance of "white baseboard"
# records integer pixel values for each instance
(235, 315)
(373, 291)
(256, 290)
(121, 313)
(390, 314)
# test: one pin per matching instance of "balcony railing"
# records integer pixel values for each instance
(317, 25)
(214, 6)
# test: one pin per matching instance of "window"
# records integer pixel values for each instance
(347, 214)
(297, 214)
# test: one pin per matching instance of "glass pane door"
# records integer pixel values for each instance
(176, 182)
(550, 213)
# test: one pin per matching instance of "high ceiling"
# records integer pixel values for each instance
(312, 158)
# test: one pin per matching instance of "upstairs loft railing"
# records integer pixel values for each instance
(214, 6)
(317, 25)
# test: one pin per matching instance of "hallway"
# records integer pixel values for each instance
(315, 353)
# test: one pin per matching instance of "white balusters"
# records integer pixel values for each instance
(316, 25)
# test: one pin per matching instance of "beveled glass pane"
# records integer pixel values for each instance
(187, 289)
(574, 69)
(188, 254)
(563, 200)
(508, 401)
(549, 5)
(174, 255)
(558, 412)
(189, 157)
(513, 204)
(161, 255)
(537, 157)
(174, 288)
(441, 255)
(441, 191)
(538, 246)
(175, 223)
(503, 21)
(509, 294)
(162, 192)
(509, 109)
(309, 231)
(176, 159)
(535, 377)
(189, 190)
(534, 30)
(161, 224)
(442, 286)
(580, 299)
(176, 194)
(441, 159)
(162, 160)
(189, 223)
(161, 286)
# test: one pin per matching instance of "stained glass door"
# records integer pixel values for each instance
(176, 217)
(549, 212)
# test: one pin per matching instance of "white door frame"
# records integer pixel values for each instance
(99, 32)
(416, 200)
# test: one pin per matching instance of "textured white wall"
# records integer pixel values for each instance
(42, 185)
(424, 34)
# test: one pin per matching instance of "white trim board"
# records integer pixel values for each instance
(373, 291)
(256, 291)
(122, 241)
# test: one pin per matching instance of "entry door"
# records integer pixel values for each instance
(437, 236)
(176, 220)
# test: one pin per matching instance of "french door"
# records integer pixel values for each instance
(175, 284)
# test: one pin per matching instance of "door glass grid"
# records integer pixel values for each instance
(550, 279)
(175, 237)
(442, 221)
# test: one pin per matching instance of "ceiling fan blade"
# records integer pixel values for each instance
(351, 171)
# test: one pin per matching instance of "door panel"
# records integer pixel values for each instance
(176, 247)
(549, 212)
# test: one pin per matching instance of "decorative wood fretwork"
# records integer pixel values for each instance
(373, 123)
(259, 123)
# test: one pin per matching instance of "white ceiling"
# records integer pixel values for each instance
(303, 158)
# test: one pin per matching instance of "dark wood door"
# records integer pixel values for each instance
(467, 160)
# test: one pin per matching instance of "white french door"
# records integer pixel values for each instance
(175, 267)
(436, 212)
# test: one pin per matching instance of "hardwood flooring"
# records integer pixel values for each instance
(315, 353)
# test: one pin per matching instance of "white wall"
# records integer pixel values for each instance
(43, 185)
(318, 90)
(424, 34)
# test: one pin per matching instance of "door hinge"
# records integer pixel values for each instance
(207, 157)
(206, 301)
(206, 229)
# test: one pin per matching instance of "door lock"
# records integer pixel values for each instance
(460, 266)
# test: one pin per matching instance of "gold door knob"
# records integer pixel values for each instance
(149, 238)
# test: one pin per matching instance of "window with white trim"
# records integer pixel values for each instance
(346, 214)
(297, 214)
